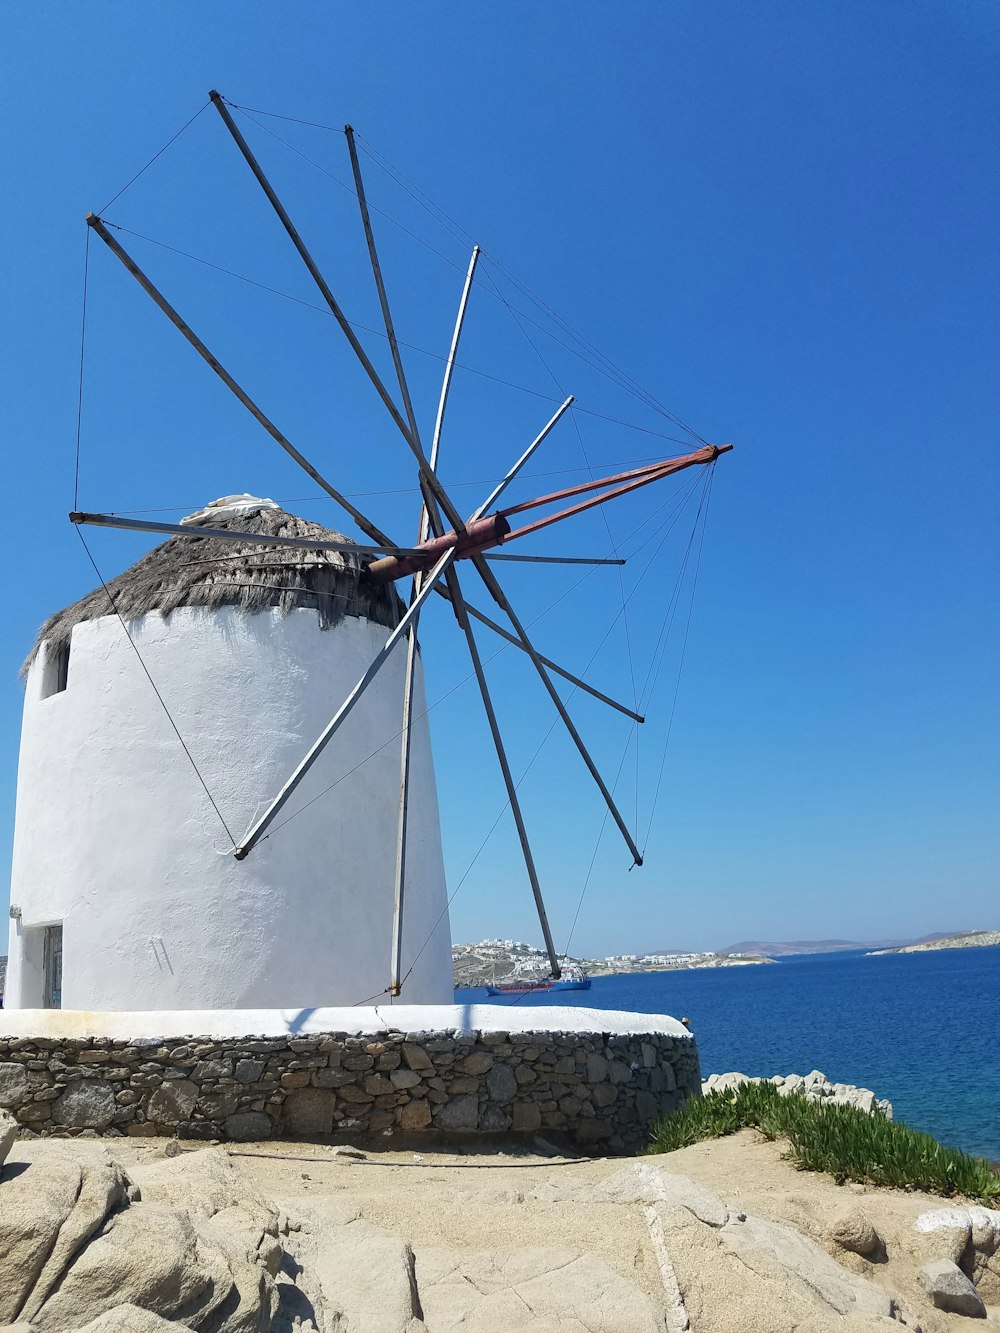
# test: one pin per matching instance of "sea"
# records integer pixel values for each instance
(922, 1029)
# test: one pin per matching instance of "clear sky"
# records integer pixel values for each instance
(780, 218)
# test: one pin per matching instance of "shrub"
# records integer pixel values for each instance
(847, 1143)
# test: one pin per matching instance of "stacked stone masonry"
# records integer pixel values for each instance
(602, 1091)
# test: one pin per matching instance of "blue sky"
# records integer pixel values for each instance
(780, 219)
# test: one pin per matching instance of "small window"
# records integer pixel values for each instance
(55, 673)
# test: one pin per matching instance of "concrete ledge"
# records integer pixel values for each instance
(600, 1078)
(227, 1023)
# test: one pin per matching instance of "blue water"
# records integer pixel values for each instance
(921, 1029)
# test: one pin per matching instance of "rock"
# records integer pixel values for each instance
(646, 1106)
(943, 1233)
(401, 1079)
(14, 1085)
(985, 1227)
(604, 1095)
(248, 1126)
(983, 1258)
(852, 1230)
(206, 1181)
(102, 1191)
(950, 1289)
(493, 1119)
(8, 1133)
(476, 1062)
(815, 1086)
(723, 1082)
(525, 1117)
(501, 1084)
(752, 1274)
(218, 1104)
(459, 1112)
(249, 1071)
(129, 1319)
(172, 1102)
(597, 1068)
(36, 1202)
(206, 1069)
(149, 1256)
(85, 1105)
(416, 1058)
(805, 1261)
(309, 1111)
(415, 1114)
(859, 1097)
(367, 1274)
(345, 1150)
(642, 1182)
(202, 1248)
(528, 1288)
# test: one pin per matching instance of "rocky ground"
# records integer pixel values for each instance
(814, 1086)
(138, 1236)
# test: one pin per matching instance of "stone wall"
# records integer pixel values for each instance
(602, 1090)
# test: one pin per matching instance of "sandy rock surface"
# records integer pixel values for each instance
(723, 1237)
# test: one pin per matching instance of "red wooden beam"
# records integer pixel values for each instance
(484, 533)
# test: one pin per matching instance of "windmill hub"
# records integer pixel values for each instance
(480, 535)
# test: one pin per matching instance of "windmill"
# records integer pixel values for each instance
(444, 540)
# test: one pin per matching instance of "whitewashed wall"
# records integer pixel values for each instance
(115, 838)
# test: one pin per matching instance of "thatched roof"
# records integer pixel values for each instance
(210, 572)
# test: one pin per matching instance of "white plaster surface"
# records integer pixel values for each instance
(236, 1023)
(116, 839)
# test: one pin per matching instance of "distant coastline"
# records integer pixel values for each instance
(491, 961)
(970, 939)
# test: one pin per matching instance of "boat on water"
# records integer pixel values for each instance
(571, 978)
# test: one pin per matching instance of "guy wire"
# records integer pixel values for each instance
(163, 705)
(144, 169)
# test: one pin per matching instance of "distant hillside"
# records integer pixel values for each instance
(779, 948)
(970, 939)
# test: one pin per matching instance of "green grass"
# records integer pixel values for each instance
(847, 1143)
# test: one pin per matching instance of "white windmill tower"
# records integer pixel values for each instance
(127, 892)
(219, 630)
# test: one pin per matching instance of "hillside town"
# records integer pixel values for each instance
(495, 960)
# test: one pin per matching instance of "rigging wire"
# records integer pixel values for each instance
(83, 348)
(395, 490)
(163, 703)
(351, 190)
(671, 519)
(144, 169)
(669, 523)
(615, 374)
(459, 233)
(604, 516)
(612, 372)
(380, 333)
(256, 111)
(604, 822)
(626, 381)
(680, 668)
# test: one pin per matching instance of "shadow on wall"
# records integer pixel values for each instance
(297, 1023)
